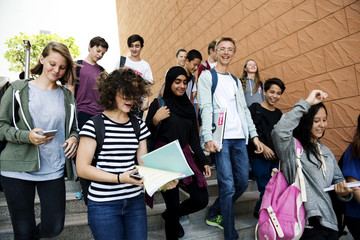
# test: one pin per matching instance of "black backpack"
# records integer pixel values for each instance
(100, 135)
(77, 72)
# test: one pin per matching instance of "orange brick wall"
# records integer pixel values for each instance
(307, 43)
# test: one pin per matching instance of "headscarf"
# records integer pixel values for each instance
(179, 105)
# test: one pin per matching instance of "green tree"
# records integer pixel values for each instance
(15, 53)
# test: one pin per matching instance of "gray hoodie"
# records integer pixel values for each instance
(318, 201)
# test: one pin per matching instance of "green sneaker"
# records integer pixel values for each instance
(215, 221)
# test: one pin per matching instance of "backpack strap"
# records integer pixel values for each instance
(77, 72)
(135, 124)
(299, 171)
(100, 135)
(122, 61)
(204, 64)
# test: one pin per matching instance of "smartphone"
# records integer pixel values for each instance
(49, 133)
(136, 175)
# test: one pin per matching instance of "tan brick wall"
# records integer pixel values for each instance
(307, 43)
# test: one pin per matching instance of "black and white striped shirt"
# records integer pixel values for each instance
(116, 156)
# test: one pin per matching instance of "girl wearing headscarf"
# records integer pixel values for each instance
(176, 120)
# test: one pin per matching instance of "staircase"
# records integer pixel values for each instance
(76, 227)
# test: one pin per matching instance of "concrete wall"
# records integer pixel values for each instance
(308, 44)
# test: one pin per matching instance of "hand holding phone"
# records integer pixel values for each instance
(49, 133)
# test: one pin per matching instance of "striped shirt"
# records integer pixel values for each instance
(116, 156)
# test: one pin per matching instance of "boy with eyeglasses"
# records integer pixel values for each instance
(232, 161)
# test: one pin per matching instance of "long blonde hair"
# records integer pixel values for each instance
(245, 74)
(64, 51)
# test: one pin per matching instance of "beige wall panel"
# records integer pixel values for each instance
(306, 43)
(326, 7)
(323, 31)
(297, 18)
(304, 66)
(353, 17)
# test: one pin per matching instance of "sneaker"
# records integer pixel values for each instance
(215, 221)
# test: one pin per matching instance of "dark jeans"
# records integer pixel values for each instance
(118, 220)
(261, 169)
(20, 196)
(198, 200)
(353, 225)
(318, 232)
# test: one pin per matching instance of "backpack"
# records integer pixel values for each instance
(205, 65)
(77, 72)
(122, 61)
(100, 135)
(282, 213)
(150, 141)
(214, 79)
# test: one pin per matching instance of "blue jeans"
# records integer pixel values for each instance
(232, 165)
(261, 169)
(120, 219)
(20, 195)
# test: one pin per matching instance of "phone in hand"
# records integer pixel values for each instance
(49, 133)
(136, 175)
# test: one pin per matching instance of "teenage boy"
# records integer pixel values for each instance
(232, 161)
(192, 62)
(87, 72)
(265, 115)
(181, 57)
(211, 60)
(136, 43)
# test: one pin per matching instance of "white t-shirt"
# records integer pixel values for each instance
(212, 65)
(225, 94)
(142, 68)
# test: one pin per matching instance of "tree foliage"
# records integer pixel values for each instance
(15, 53)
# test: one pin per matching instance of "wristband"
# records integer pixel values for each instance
(118, 178)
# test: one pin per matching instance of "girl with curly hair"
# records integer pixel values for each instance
(116, 204)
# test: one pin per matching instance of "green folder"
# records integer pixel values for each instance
(169, 158)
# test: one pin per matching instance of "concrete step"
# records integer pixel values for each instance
(245, 225)
(75, 228)
(76, 223)
(243, 206)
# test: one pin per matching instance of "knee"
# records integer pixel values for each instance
(202, 202)
(227, 190)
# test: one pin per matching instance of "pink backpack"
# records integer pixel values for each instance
(282, 214)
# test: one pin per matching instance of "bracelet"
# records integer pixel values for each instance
(118, 178)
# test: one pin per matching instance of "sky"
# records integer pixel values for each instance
(81, 19)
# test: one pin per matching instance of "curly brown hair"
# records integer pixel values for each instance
(124, 81)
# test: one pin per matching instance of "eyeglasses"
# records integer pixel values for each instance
(230, 50)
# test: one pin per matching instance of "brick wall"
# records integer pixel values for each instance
(308, 44)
